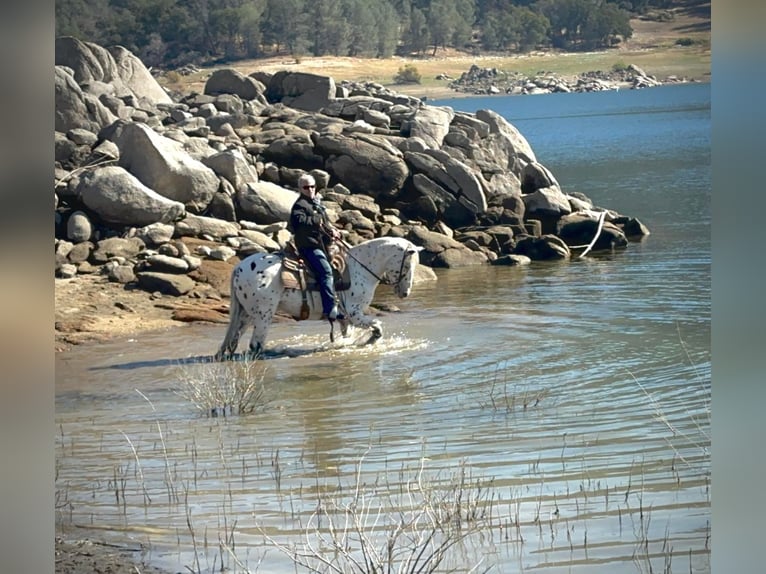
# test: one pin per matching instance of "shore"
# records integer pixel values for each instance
(90, 309)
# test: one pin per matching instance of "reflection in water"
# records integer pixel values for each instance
(590, 426)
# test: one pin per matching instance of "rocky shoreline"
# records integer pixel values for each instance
(157, 197)
(491, 81)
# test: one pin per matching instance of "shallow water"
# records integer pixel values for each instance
(576, 394)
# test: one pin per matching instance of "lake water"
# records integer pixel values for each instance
(564, 406)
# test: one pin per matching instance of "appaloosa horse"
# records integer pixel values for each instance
(258, 292)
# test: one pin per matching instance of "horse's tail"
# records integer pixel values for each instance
(231, 339)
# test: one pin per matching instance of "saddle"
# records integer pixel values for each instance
(296, 274)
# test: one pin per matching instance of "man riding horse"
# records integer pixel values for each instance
(311, 228)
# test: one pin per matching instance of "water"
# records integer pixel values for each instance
(576, 394)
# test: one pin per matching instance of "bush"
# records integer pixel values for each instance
(173, 77)
(619, 66)
(407, 74)
(685, 42)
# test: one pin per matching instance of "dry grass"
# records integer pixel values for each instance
(222, 389)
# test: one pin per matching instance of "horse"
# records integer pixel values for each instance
(258, 292)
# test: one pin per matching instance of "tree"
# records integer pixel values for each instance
(363, 36)
(584, 24)
(285, 25)
(417, 36)
(330, 31)
(387, 26)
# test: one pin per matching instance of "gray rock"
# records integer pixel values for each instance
(199, 226)
(365, 164)
(233, 166)
(79, 227)
(74, 108)
(118, 197)
(116, 248)
(121, 274)
(222, 253)
(230, 81)
(301, 90)
(156, 233)
(67, 271)
(166, 264)
(512, 260)
(430, 124)
(161, 164)
(264, 202)
(165, 283)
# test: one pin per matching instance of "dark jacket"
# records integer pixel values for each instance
(306, 221)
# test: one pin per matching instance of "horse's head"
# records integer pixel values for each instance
(406, 276)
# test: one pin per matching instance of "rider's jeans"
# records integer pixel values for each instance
(321, 267)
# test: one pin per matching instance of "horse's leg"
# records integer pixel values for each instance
(263, 318)
(238, 320)
(357, 318)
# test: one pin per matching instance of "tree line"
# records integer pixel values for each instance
(172, 33)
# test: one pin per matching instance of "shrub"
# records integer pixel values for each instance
(685, 42)
(173, 77)
(619, 66)
(407, 74)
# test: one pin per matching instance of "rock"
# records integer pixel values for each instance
(166, 264)
(200, 226)
(79, 227)
(229, 81)
(165, 283)
(231, 164)
(155, 233)
(300, 90)
(120, 198)
(544, 248)
(265, 202)
(116, 247)
(162, 165)
(512, 260)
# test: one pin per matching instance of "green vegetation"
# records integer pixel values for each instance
(619, 66)
(171, 33)
(407, 74)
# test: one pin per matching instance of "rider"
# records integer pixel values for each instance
(311, 227)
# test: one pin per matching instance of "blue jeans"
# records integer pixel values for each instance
(317, 259)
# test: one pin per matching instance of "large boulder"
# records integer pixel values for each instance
(364, 163)
(547, 205)
(116, 66)
(579, 229)
(301, 90)
(442, 251)
(265, 202)
(161, 164)
(505, 142)
(450, 184)
(74, 108)
(118, 197)
(232, 165)
(230, 81)
(431, 124)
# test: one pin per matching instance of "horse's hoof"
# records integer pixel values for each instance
(374, 337)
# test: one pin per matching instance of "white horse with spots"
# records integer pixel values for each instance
(257, 291)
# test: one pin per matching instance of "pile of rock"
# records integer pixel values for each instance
(489, 81)
(168, 194)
